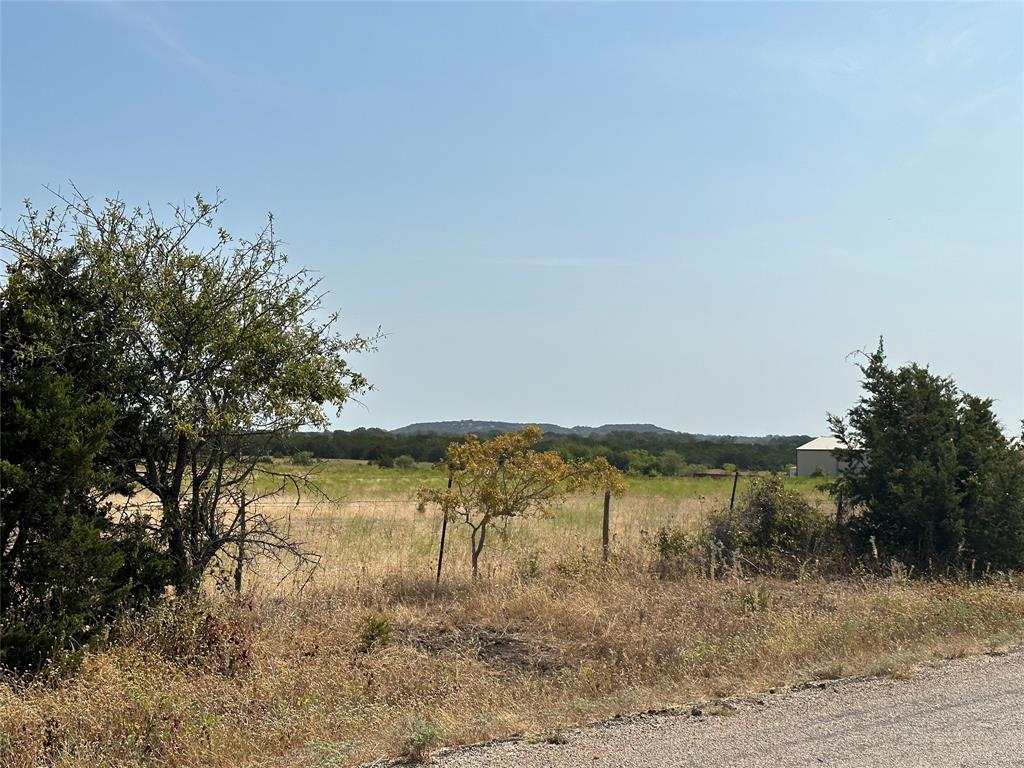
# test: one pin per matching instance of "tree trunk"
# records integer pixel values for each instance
(176, 547)
(478, 546)
(241, 547)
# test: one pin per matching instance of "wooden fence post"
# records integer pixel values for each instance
(735, 480)
(444, 530)
(605, 524)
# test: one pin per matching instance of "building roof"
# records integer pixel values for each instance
(823, 444)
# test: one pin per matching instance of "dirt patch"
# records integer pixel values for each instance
(503, 649)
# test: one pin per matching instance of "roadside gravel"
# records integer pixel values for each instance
(967, 712)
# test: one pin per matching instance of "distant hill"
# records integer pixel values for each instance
(472, 426)
(746, 439)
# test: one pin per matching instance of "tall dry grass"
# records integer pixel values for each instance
(285, 682)
(372, 538)
(549, 637)
(373, 527)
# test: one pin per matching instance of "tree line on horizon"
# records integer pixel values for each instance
(639, 453)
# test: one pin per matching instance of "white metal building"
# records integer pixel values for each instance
(819, 454)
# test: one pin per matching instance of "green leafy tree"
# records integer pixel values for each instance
(933, 477)
(65, 563)
(670, 463)
(208, 348)
(640, 462)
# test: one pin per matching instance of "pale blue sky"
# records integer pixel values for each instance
(685, 214)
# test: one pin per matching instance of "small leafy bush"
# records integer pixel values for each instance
(303, 458)
(756, 598)
(405, 461)
(374, 632)
(424, 735)
(674, 548)
(775, 529)
(576, 565)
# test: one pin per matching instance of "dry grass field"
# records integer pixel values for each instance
(373, 529)
(368, 660)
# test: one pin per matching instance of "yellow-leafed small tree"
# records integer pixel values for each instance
(505, 477)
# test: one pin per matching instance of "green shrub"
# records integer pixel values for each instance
(576, 565)
(424, 734)
(303, 458)
(679, 552)
(374, 632)
(775, 529)
(66, 566)
(405, 461)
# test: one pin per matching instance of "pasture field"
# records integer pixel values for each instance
(367, 659)
(372, 525)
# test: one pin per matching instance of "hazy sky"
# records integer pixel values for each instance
(686, 214)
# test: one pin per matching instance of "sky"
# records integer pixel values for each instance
(580, 213)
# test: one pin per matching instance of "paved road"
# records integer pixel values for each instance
(968, 712)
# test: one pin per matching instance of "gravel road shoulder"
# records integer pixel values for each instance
(966, 712)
